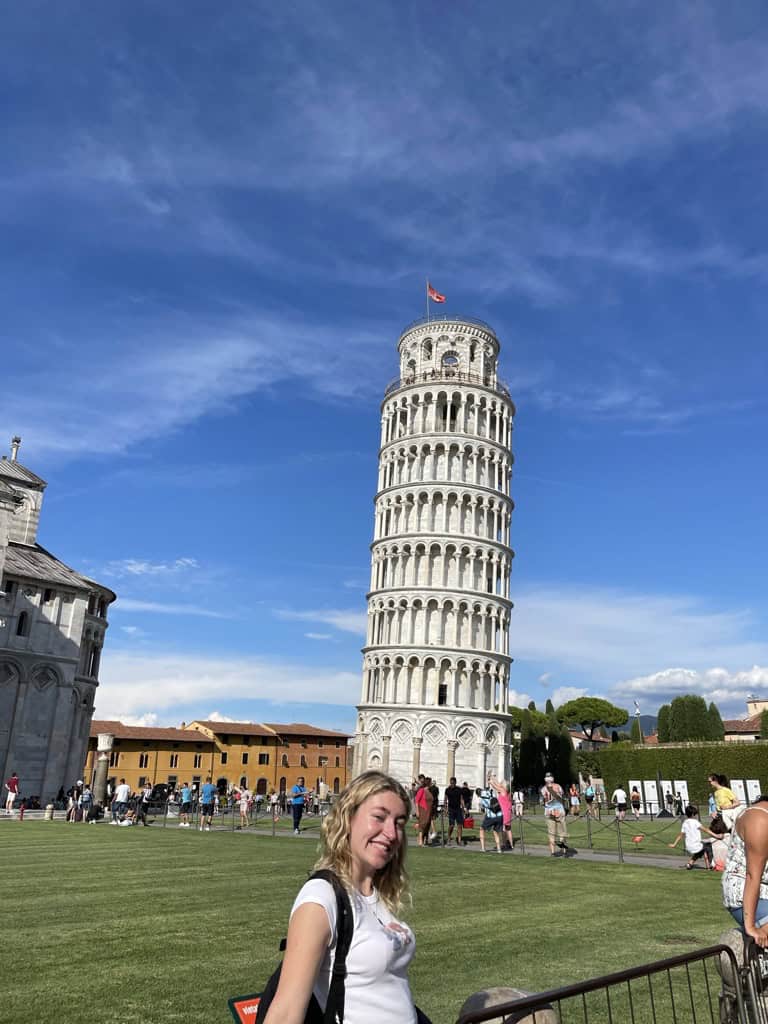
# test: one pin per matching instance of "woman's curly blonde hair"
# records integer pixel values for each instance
(335, 854)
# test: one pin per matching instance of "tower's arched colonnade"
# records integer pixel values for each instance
(436, 660)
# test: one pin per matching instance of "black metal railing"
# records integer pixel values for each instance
(450, 375)
(685, 989)
(445, 318)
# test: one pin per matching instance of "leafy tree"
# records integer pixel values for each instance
(531, 705)
(764, 725)
(591, 713)
(662, 724)
(549, 707)
(531, 762)
(716, 727)
(636, 735)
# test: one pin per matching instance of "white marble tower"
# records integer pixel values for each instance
(436, 659)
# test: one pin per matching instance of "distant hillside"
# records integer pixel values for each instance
(647, 724)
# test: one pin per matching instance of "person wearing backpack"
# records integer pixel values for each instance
(363, 844)
(492, 816)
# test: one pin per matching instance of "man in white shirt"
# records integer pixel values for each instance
(120, 803)
(619, 801)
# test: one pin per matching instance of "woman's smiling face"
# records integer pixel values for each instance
(376, 832)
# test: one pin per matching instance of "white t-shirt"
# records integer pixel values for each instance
(245, 797)
(619, 796)
(691, 829)
(376, 987)
(123, 793)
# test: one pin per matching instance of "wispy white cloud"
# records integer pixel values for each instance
(318, 636)
(216, 716)
(137, 684)
(565, 693)
(127, 604)
(138, 567)
(346, 620)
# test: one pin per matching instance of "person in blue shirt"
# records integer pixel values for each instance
(297, 803)
(207, 802)
(186, 805)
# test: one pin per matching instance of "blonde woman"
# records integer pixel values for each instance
(363, 843)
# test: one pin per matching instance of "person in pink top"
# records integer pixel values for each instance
(12, 785)
(505, 802)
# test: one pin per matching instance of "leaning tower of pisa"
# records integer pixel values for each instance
(436, 659)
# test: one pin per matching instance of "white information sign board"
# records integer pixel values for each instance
(668, 791)
(753, 789)
(737, 785)
(681, 788)
(651, 796)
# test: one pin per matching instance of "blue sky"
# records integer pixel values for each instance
(215, 224)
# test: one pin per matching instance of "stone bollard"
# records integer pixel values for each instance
(489, 997)
(48, 816)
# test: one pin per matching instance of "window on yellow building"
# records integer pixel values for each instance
(174, 761)
(114, 759)
(223, 757)
(198, 761)
(263, 758)
(303, 761)
(245, 757)
(143, 761)
(338, 762)
(284, 761)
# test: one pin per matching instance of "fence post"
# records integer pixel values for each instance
(589, 831)
(442, 825)
(274, 820)
(522, 835)
(618, 838)
(165, 815)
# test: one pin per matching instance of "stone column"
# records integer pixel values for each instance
(452, 747)
(101, 769)
(504, 763)
(386, 740)
(417, 741)
(482, 753)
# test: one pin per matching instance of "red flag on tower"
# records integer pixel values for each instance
(434, 295)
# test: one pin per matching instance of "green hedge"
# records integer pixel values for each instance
(692, 761)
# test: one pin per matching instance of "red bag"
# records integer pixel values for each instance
(469, 823)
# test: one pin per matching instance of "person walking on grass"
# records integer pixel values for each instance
(86, 803)
(619, 801)
(207, 803)
(298, 793)
(455, 805)
(518, 802)
(245, 806)
(142, 807)
(186, 805)
(12, 786)
(695, 847)
(492, 816)
(554, 812)
(504, 797)
(634, 799)
(120, 802)
(423, 801)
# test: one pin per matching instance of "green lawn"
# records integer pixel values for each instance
(160, 925)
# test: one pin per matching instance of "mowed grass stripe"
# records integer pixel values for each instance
(162, 925)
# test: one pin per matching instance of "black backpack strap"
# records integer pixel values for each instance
(345, 929)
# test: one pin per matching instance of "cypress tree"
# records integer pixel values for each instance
(716, 727)
(636, 735)
(764, 725)
(549, 707)
(662, 724)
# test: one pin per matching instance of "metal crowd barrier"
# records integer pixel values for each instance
(708, 986)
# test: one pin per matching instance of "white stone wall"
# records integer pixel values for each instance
(436, 661)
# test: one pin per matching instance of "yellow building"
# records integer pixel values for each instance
(170, 756)
(274, 756)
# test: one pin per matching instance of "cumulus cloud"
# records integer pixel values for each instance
(216, 716)
(565, 693)
(728, 689)
(146, 721)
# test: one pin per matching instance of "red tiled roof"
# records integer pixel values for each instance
(300, 729)
(652, 740)
(234, 728)
(742, 725)
(136, 732)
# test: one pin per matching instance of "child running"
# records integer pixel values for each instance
(695, 847)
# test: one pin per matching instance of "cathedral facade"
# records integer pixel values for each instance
(52, 626)
(436, 660)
